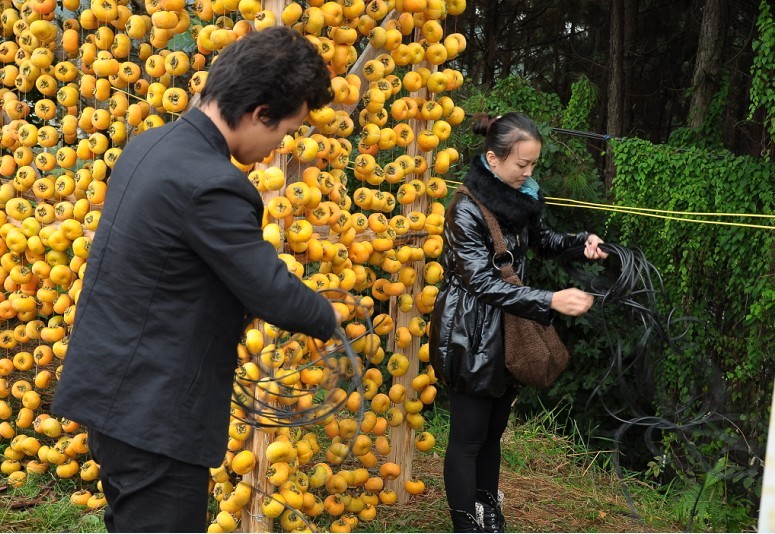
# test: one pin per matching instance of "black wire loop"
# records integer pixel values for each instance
(343, 368)
(638, 293)
(343, 372)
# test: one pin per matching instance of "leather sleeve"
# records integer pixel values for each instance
(467, 239)
(550, 243)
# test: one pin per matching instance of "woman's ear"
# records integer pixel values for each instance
(492, 159)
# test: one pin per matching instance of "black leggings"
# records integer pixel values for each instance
(473, 456)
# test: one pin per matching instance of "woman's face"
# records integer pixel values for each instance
(518, 165)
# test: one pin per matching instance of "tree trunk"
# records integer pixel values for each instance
(707, 68)
(491, 43)
(615, 109)
(630, 36)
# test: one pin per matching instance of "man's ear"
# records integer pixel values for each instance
(261, 114)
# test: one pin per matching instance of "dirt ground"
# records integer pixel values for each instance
(541, 502)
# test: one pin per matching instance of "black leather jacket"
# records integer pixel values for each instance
(466, 337)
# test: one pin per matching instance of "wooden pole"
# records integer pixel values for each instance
(255, 520)
(368, 54)
(402, 437)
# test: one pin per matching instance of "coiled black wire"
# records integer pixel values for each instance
(344, 372)
(348, 377)
(637, 292)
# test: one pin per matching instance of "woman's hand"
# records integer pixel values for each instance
(592, 250)
(572, 301)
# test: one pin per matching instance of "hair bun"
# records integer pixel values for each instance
(481, 122)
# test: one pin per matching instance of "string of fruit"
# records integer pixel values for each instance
(343, 211)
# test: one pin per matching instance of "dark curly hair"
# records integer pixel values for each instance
(276, 68)
(504, 131)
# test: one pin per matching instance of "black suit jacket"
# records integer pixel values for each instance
(177, 261)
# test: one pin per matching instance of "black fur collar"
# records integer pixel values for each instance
(513, 209)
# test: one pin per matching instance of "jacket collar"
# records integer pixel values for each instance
(512, 208)
(207, 127)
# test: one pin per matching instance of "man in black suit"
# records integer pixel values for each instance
(177, 262)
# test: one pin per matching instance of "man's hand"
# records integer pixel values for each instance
(337, 313)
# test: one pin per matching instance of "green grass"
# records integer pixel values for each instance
(43, 505)
(437, 423)
(552, 483)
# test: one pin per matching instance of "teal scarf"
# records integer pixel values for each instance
(530, 187)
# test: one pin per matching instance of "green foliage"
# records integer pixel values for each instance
(516, 94)
(574, 164)
(437, 423)
(183, 41)
(763, 68)
(568, 441)
(582, 101)
(705, 505)
(723, 276)
(709, 135)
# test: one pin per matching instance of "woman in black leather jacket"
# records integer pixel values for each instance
(466, 338)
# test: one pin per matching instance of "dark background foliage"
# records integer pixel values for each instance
(654, 66)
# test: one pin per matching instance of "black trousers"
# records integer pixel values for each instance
(148, 492)
(473, 456)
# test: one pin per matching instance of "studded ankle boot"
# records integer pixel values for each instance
(491, 511)
(462, 521)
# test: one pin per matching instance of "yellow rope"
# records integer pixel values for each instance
(582, 203)
(636, 211)
(650, 212)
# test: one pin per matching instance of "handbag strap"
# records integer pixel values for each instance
(499, 242)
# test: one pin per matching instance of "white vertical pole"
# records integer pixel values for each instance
(767, 504)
